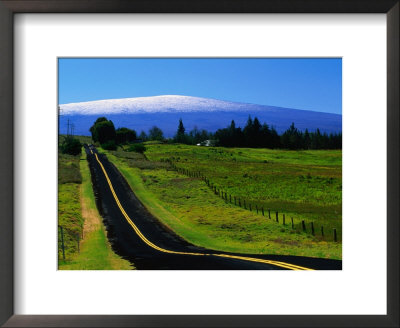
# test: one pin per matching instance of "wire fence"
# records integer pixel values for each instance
(69, 241)
(300, 225)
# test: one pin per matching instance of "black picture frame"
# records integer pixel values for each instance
(10, 7)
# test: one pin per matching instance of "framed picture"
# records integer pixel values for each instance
(185, 103)
(177, 148)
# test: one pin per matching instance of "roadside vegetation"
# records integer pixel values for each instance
(69, 205)
(305, 185)
(80, 220)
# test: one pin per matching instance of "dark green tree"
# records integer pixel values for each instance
(125, 135)
(143, 136)
(306, 140)
(103, 131)
(292, 138)
(180, 134)
(316, 140)
(248, 132)
(93, 130)
(275, 139)
(156, 133)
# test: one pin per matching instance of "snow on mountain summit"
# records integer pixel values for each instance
(156, 104)
(204, 113)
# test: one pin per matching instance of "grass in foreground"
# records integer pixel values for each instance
(190, 208)
(95, 250)
(69, 207)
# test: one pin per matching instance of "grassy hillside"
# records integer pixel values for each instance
(304, 185)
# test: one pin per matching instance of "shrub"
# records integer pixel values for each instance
(139, 148)
(71, 146)
(109, 145)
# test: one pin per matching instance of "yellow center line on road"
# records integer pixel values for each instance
(149, 243)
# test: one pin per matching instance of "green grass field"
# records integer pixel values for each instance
(304, 185)
(78, 215)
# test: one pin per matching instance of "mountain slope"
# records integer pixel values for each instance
(210, 114)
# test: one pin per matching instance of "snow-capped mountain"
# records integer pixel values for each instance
(204, 113)
(157, 104)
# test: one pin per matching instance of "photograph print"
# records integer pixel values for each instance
(199, 164)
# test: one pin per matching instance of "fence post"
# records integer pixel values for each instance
(322, 231)
(62, 242)
(283, 219)
(77, 239)
(304, 225)
(312, 228)
(334, 235)
(292, 223)
(277, 219)
(262, 210)
(230, 199)
(269, 214)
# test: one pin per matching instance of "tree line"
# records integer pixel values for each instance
(257, 135)
(253, 135)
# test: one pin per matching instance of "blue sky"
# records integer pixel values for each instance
(311, 84)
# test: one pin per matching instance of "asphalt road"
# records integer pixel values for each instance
(139, 237)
